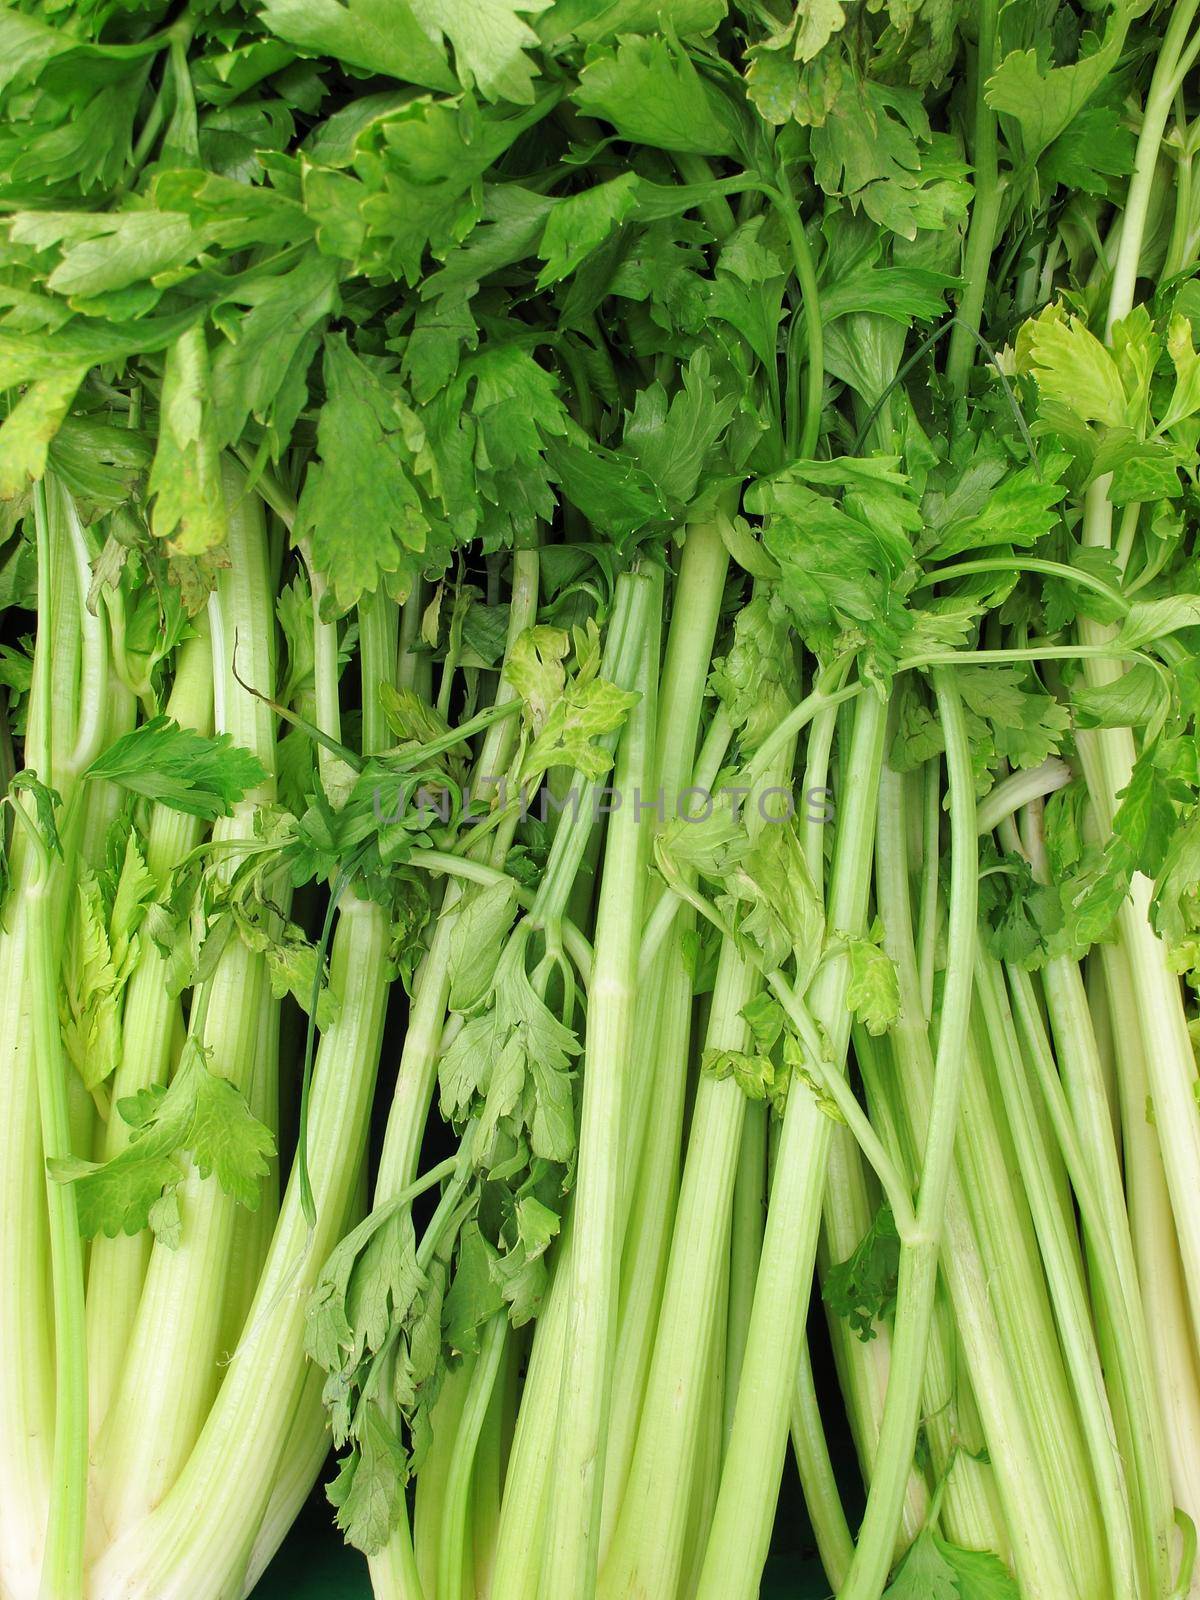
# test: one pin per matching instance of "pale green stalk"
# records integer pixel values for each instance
(73, 705)
(1125, 1342)
(749, 1213)
(429, 1501)
(63, 1556)
(487, 1485)
(577, 1486)
(523, 1504)
(1009, 1248)
(1152, 1227)
(849, 1206)
(252, 1230)
(659, 1080)
(647, 1553)
(1167, 1047)
(456, 1554)
(710, 1444)
(863, 1366)
(304, 1453)
(171, 1372)
(1067, 1289)
(985, 207)
(822, 1497)
(919, 1254)
(198, 1541)
(969, 1510)
(418, 1060)
(307, 1448)
(117, 1267)
(741, 1527)
(27, 1373)
(518, 1551)
(1010, 1430)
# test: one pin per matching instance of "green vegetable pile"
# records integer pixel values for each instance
(598, 725)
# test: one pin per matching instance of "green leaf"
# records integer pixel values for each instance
(873, 145)
(1149, 620)
(1149, 472)
(201, 1114)
(652, 94)
(467, 1065)
(489, 42)
(224, 1138)
(292, 965)
(260, 370)
(1097, 146)
(1185, 401)
(1020, 510)
(773, 900)
(185, 479)
(1072, 368)
(30, 426)
(474, 1295)
(924, 1574)
(980, 1575)
(535, 668)
(873, 994)
(165, 1220)
(368, 1492)
(376, 35)
(589, 21)
(755, 1075)
(756, 679)
(102, 952)
(862, 1289)
(481, 923)
(1130, 701)
(366, 505)
(203, 776)
(520, 1273)
(1175, 910)
(104, 252)
(580, 223)
(608, 488)
(47, 803)
(905, 294)
(580, 730)
(674, 441)
(1044, 100)
(120, 1195)
(1019, 916)
(1145, 820)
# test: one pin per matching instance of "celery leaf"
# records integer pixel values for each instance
(188, 771)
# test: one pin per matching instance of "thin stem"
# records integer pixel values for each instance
(1027, 563)
(62, 1564)
(740, 1532)
(452, 1552)
(822, 1498)
(1020, 788)
(981, 233)
(806, 273)
(1173, 53)
(837, 1086)
(919, 1255)
(797, 719)
(573, 1530)
(1065, 1283)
